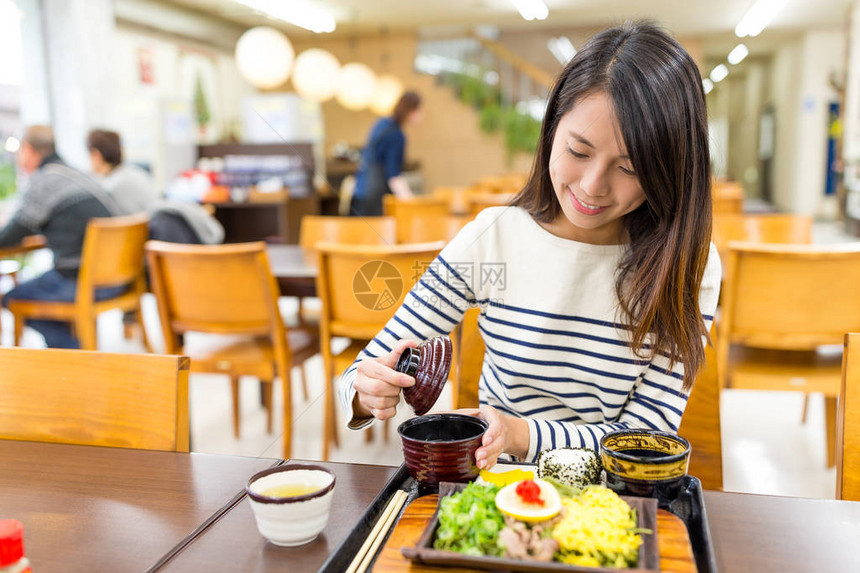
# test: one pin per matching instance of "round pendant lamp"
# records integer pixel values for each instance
(388, 91)
(315, 74)
(265, 57)
(356, 86)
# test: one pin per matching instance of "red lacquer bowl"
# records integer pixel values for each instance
(429, 364)
(441, 447)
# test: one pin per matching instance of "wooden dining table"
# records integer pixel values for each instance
(107, 509)
(31, 243)
(90, 508)
(294, 268)
(751, 533)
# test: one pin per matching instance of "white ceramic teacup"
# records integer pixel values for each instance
(297, 519)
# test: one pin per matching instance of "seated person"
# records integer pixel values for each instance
(134, 192)
(130, 186)
(57, 202)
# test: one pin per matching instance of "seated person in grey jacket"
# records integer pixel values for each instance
(57, 202)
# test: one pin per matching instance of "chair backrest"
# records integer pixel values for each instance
(790, 297)
(112, 252)
(848, 423)
(223, 289)
(404, 210)
(94, 398)
(761, 228)
(477, 202)
(700, 424)
(348, 230)
(728, 197)
(361, 287)
(510, 183)
(434, 227)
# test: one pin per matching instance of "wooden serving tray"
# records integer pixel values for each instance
(676, 553)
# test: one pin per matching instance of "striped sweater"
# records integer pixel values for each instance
(554, 354)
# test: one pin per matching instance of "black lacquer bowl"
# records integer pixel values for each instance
(441, 447)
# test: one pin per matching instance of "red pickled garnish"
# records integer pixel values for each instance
(529, 492)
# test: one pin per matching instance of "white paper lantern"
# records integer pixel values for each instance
(356, 86)
(388, 91)
(264, 57)
(315, 74)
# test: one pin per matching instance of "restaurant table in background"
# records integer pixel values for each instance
(234, 544)
(90, 508)
(294, 268)
(31, 243)
(265, 217)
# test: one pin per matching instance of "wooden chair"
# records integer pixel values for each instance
(112, 256)
(477, 202)
(781, 305)
(347, 230)
(353, 306)
(727, 197)
(404, 210)
(760, 228)
(342, 230)
(848, 423)
(510, 183)
(94, 398)
(434, 227)
(455, 196)
(700, 424)
(780, 228)
(228, 290)
(10, 267)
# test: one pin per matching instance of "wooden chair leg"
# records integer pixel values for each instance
(266, 389)
(330, 433)
(234, 387)
(304, 382)
(18, 329)
(138, 315)
(286, 376)
(87, 333)
(329, 429)
(805, 408)
(830, 421)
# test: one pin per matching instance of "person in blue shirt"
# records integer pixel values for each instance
(382, 159)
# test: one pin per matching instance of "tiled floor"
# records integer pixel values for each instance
(766, 448)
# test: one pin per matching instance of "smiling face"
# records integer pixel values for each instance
(591, 174)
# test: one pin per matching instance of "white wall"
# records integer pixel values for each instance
(176, 63)
(785, 95)
(821, 57)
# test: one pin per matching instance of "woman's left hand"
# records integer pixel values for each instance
(505, 434)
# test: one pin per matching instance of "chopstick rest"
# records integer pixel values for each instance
(368, 549)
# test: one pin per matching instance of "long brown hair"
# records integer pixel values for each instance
(657, 93)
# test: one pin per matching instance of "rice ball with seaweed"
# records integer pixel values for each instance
(574, 467)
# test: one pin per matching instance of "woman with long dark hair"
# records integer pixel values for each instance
(605, 280)
(381, 167)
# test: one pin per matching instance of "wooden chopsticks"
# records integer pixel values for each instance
(370, 546)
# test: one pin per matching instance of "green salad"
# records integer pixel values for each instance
(470, 522)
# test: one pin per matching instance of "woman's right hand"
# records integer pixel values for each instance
(377, 383)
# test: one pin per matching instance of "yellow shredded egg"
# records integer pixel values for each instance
(598, 529)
